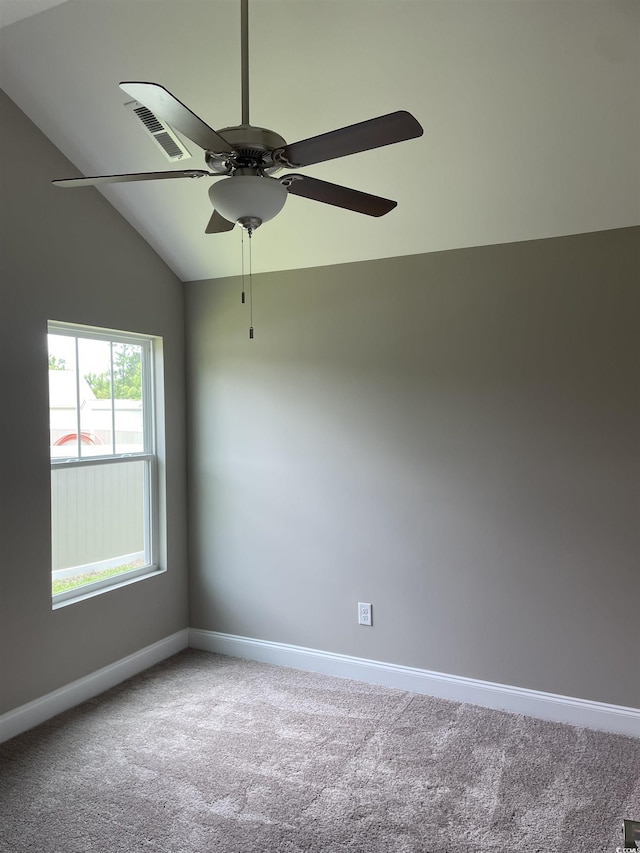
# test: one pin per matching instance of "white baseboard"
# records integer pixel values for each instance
(534, 703)
(33, 713)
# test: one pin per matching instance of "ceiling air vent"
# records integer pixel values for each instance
(160, 132)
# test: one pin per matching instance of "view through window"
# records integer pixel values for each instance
(103, 464)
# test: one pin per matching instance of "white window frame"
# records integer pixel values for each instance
(149, 456)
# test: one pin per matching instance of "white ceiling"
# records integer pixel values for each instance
(530, 110)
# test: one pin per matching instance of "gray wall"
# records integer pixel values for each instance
(451, 436)
(67, 255)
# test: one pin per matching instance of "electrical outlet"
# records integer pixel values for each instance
(365, 612)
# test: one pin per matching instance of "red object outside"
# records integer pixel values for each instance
(85, 438)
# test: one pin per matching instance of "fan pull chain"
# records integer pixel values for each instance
(242, 252)
(250, 289)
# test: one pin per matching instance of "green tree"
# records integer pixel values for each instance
(127, 375)
(56, 363)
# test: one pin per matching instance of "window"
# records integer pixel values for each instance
(103, 459)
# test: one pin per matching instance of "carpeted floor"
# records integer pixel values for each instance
(203, 753)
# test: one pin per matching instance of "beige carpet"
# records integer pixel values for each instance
(204, 753)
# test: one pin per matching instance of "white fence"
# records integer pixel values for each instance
(97, 514)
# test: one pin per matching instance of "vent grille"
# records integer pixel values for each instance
(170, 145)
(148, 119)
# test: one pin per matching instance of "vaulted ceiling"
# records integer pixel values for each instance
(530, 111)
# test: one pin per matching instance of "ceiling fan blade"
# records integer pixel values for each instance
(135, 176)
(165, 105)
(371, 205)
(217, 224)
(374, 133)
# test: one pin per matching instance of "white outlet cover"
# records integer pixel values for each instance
(365, 613)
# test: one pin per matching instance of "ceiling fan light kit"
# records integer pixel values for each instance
(245, 158)
(248, 201)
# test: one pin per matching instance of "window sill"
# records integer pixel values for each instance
(63, 599)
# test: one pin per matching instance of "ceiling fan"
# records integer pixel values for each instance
(246, 158)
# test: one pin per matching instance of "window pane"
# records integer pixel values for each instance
(63, 409)
(127, 386)
(96, 401)
(96, 405)
(98, 522)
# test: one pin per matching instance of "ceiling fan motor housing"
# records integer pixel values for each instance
(254, 147)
